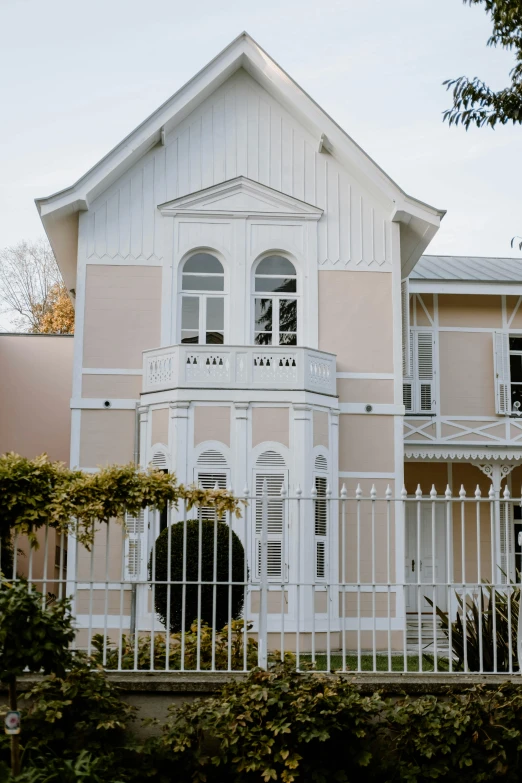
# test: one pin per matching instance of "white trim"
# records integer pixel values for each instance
(99, 404)
(378, 409)
(366, 475)
(111, 371)
(442, 453)
(489, 329)
(373, 376)
(120, 261)
(488, 287)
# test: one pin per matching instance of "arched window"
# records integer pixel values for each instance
(275, 302)
(202, 300)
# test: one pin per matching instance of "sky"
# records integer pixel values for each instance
(78, 77)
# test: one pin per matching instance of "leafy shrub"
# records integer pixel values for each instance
(215, 545)
(139, 650)
(469, 738)
(488, 618)
(273, 726)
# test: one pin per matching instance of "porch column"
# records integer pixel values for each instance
(178, 440)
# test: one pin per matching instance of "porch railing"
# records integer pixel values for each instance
(347, 582)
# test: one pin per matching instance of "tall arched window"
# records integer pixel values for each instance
(275, 302)
(202, 300)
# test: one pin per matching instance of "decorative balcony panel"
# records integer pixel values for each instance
(239, 367)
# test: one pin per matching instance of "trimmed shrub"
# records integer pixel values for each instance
(216, 540)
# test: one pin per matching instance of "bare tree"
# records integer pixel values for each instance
(29, 280)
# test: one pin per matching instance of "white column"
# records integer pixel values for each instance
(143, 420)
(301, 533)
(178, 440)
(241, 476)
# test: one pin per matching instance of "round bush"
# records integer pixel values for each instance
(208, 528)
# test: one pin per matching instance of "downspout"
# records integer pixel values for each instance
(136, 462)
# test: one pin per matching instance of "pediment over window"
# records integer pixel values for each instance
(241, 197)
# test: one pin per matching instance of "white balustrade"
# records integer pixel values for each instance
(239, 367)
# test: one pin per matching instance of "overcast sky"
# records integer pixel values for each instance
(78, 77)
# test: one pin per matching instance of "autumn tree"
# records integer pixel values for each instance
(31, 288)
(474, 102)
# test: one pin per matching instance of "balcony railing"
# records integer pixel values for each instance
(239, 367)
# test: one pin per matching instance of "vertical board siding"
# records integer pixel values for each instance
(241, 130)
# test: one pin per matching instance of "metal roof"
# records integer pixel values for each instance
(468, 268)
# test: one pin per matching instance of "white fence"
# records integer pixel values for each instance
(423, 583)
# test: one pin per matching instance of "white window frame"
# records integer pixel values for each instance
(202, 296)
(262, 471)
(276, 297)
(419, 386)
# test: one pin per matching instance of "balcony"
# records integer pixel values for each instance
(239, 367)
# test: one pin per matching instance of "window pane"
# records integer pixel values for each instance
(515, 364)
(263, 338)
(203, 263)
(515, 343)
(190, 312)
(263, 315)
(288, 315)
(276, 284)
(202, 283)
(275, 265)
(189, 337)
(287, 338)
(215, 313)
(516, 398)
(215, 338)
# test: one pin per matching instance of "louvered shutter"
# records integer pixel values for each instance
(408, 385)
(275, 524)
(406, 334)
(425, 371)
(502, 375)
(208, 480)
(506, 540)
(135, 546)
(320, 527)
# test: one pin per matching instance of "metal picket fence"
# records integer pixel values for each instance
(349, 582)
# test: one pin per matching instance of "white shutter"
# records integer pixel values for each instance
(135, 546)
(502, 374)
(408, 386)
(406, 334)
(208, 480)
(506, 540)
(320, 526)
(425, 371)
(275, 523)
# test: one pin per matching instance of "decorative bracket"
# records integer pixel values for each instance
(488, 468)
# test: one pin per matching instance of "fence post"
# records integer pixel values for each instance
(263, 597)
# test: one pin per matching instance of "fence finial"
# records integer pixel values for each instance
(404, 492)
(373, 492)
(433, 492)
(283, 490)
(491, 493)
(344, 492)
(313, 492)
(418, 492)
(507, 493)
(478, 493)
(448, 492)
(462, 493)
(328, 491)
(298, 491)
(388, 494)
(358, 492)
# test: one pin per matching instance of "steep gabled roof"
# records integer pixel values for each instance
(59, 211)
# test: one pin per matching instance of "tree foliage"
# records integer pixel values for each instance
(474, 102)
(32, 288)
(37, 492)
(32, 636)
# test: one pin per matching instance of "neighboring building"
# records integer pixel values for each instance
(238, 264)
(35, 418)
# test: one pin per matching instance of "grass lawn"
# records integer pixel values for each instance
(382, 663)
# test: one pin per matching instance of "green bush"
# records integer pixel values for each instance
(136, 653)
(483, 641)
(216, 537)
